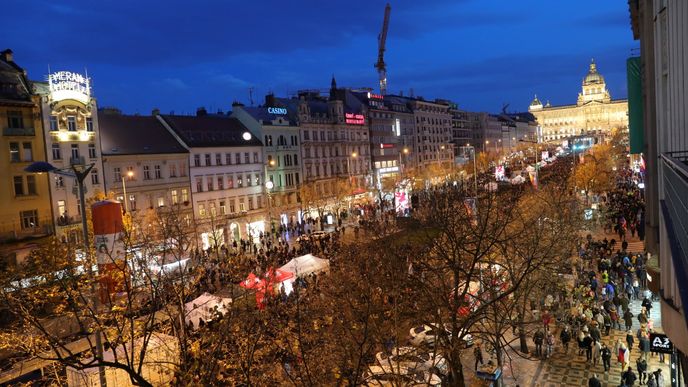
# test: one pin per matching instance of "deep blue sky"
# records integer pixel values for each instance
(179, 55)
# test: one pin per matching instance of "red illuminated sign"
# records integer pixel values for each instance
(354, 119)
(376, 96)
(385, 146)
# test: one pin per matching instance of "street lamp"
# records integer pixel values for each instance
(405, 151)
(129, 174)
(79, 172)
(487, 142)
(269, 185)
(475, 168)
(348, 165)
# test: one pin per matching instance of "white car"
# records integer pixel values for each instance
(413, 358)
(427, 335)
(386, 376)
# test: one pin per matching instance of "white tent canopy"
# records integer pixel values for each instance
(306, 264)
(203, 308)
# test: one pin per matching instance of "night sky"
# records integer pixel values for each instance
(180, 55)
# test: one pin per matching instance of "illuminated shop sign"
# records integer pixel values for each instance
(67, 85)
(375, 96)
(385, 146)
(355, 119)
(276, 110)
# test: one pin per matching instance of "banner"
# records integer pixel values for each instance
(636, 114)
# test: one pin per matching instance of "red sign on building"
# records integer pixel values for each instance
(354, 119)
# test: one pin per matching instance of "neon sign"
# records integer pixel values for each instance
(67, 85)
(385, 146)
(354, 119)
(276, 110)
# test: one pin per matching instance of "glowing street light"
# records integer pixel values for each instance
(130, 175)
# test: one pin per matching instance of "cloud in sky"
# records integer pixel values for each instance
(210, 52)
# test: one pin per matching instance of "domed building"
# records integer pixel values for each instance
(594, 114)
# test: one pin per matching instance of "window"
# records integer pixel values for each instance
(210, 183)
(89, 124)
(175, 198)
(173, 170)
(322, 135)
(257, 179)
(207, 159)
(59, 182)
(247, 159)
(18, 186)
(220, 183)
(92, 151)
(211, 206)
(294, 140)
(158, 172)
(14, 152)
(306, 135)
(146, 172)
(228, 158)
(268, 140)
(297, 178)
(161, 202)
(250, 203)
(57, 152)
(132, 202)
(218, 158)
(232, 208)
(29, 219)
(260, 202)
(255, 157)
(237, 158)
(197, 160)
(242, 206)
(230, 182)
(71, 123)
(240, 182)
(27, 154)
(248, 180)
(223, 208)
(185, 195)
(94, 177)
(31, 185)
(199, 184)
(75, 151)
(61, 207)
(15, 120)
(201, 210)
(53, 124)
(296, 159)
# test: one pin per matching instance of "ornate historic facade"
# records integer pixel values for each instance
(595, 112)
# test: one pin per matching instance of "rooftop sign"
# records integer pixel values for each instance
(67, 85)
(277, 110)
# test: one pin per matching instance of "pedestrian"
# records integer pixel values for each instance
(628, 319)
(647, 304)
(538, 339)
(477, 351)
(641, 364)
(594, 382)
(587, 342)
(565, 337)
(629, 339)
(659, 378)
(606, 355)
(628, 378)
(550, 344)
(596, 352)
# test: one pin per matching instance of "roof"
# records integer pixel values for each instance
(13, 83)
(210, 131)
(130, 135)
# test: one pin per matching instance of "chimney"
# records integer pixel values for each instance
(155, 112)
(201, 112)
(8, 56)
(270, 99)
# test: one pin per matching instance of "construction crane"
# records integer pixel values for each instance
(380, 65)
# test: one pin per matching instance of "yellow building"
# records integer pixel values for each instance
(25, 211)
(594, 114)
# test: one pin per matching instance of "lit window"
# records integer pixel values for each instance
(71, 123)
(53, 124)
(57, 152)
(175, 198)
(14, 152)
(29, 219)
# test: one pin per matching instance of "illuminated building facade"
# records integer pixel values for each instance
(595, 113)
(25, 212)
(70, 126)
(276, 124)
(142, 158)
(226, 175)
(334, 140)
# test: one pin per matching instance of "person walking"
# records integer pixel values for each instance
(565, 337)
(628, 378)
(606, 355)
(549, 341)
(659, 378)
(587, 343)
(478, 353)
(594, 382)
(630, 339)
(641, 365)
(538, 339)
(596, 352)
(628, 319)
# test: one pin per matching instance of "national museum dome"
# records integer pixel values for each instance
(593, 76)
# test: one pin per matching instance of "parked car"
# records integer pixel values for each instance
(413, 358)
(400, 376)
(427, 335)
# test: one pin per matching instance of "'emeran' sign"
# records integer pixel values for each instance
(660, 343)
(67, 85)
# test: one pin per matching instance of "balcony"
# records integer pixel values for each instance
(77, 160)
(674, 207)
(19, 132)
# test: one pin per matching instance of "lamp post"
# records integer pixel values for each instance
(487, 142)
(129, 174)
(348, 166)
(269, 185)
(79, 172)
(475, 168)
(405, 151)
